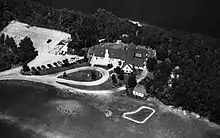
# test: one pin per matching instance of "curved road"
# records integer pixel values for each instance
(14, 74)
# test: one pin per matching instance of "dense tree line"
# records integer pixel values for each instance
(197, 56)
(11, 54)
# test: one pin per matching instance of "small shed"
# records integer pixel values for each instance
(140, 91)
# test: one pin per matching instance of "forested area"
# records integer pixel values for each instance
(198, 56)
(11, 54)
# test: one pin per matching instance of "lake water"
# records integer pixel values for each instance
(27, 92)
(11, 131)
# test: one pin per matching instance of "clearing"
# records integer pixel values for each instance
(46, 41)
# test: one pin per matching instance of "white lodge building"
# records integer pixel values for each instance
(119, 54)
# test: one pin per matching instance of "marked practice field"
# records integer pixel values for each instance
(140, 115)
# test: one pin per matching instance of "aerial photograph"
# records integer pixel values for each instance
(109, 69)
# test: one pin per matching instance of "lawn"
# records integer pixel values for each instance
(83, 75)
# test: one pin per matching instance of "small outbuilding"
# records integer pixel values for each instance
(139, 91)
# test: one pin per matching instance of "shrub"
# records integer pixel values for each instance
(121, 76)
(109, 66)
(114, 80)
(64, 74)
(25, 68)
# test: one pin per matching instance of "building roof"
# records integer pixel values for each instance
(118, 54)
(130, 66)
(135, 62)
(99, 52)
(121, 51)
(140, 88)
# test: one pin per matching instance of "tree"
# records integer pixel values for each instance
(86, 58)
(161, 53)
(2, 38)
(64, 74)
(109, 66)
(114, 80)
(121, 76)
(66, 63)
(132, 82)
(117, 70)
(93, 75)
(25, 67)
(26, 45)
(151, 64)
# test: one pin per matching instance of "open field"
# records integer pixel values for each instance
(38, 35)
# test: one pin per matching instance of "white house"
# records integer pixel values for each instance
(119, 54)
(140, 91)
(127, 68)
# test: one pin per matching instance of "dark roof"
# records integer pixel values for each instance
(114, 45)
(121, 51)
(135, 62)
(100, 52)
(118, 54)
(138, 62)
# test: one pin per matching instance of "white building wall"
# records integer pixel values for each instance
(127, 69)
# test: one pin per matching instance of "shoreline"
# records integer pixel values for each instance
(61, 93)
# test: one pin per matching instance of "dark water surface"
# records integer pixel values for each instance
(190, 15)
(12, 131)
(16, 96)
(34, 106)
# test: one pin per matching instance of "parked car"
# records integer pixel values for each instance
(59, 62)
(43, 67)
(55, 64)
(39, 68)
(49, 65)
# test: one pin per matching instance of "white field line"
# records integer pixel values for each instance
(133, 112)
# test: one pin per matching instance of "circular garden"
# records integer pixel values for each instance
(83, 75)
